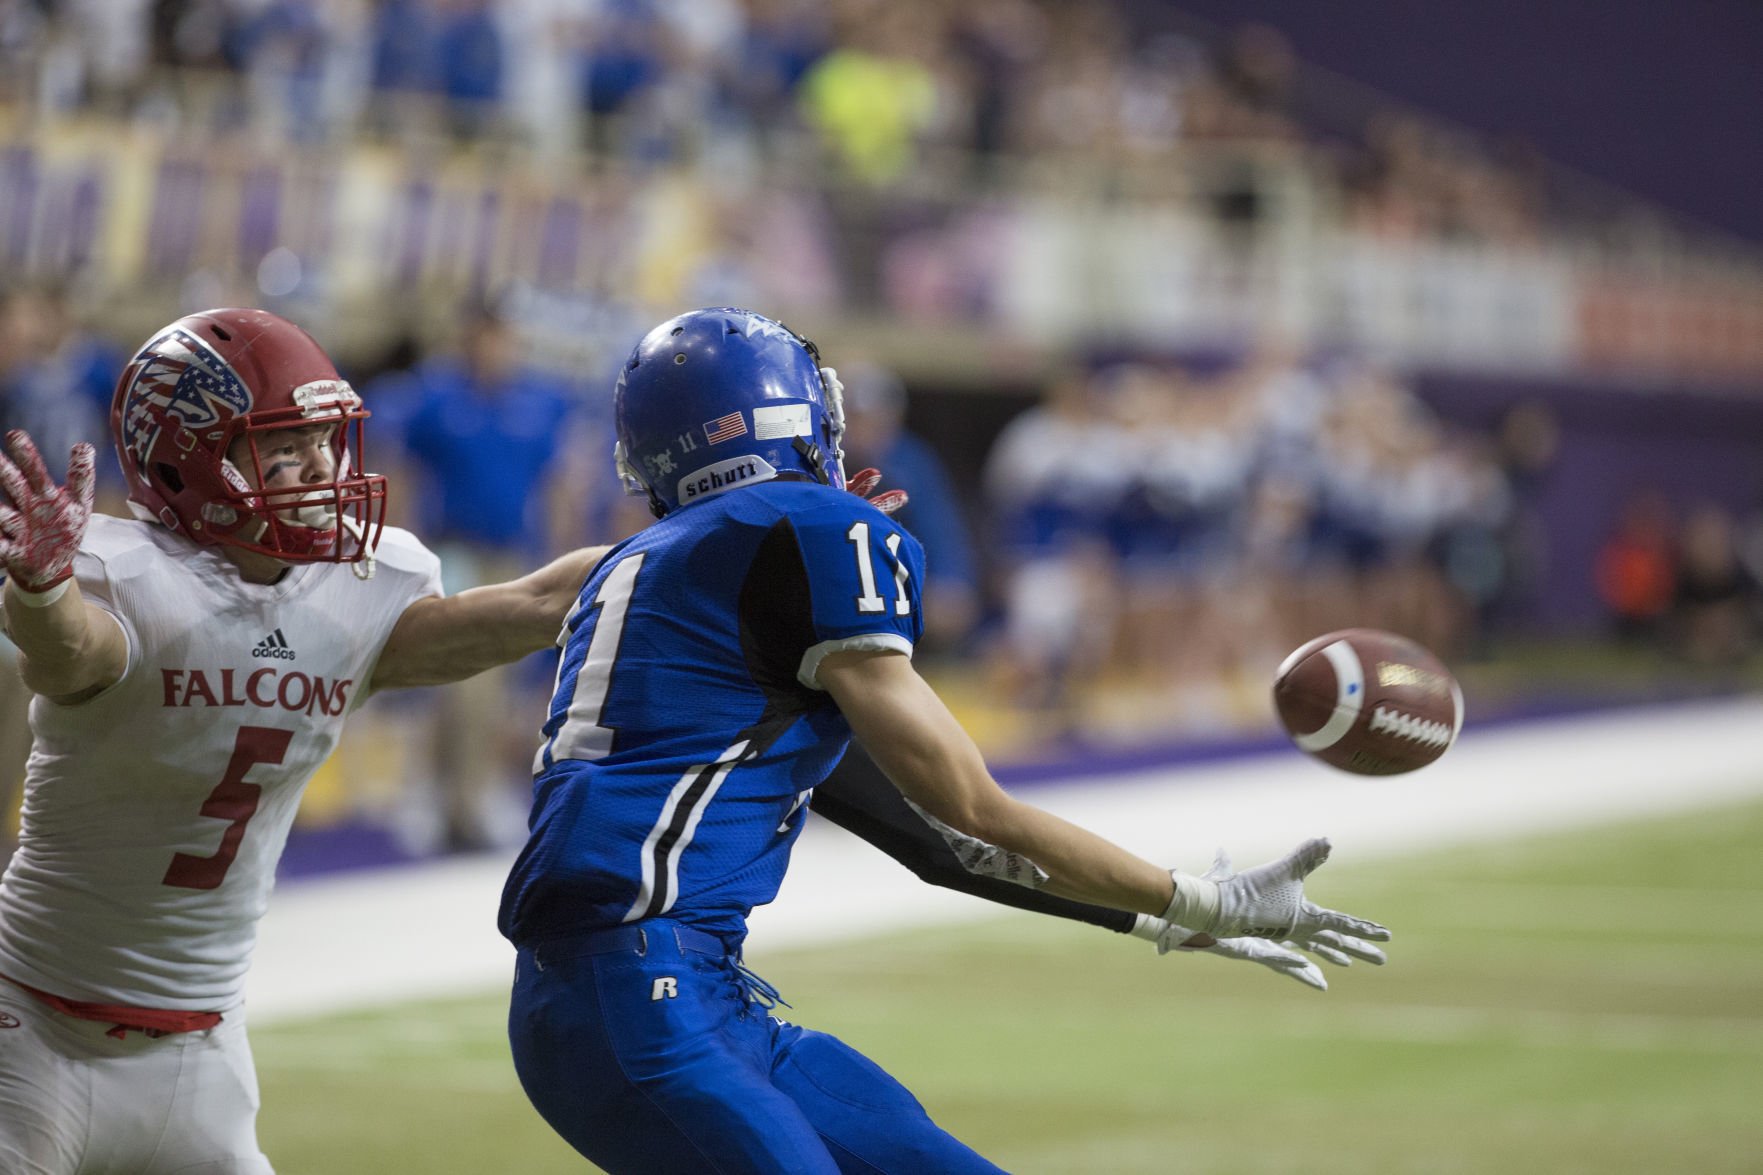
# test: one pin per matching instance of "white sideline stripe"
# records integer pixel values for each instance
(363, 940)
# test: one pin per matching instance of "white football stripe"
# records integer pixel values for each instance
(1409, 726)
(1349, 679)
(1456, 709)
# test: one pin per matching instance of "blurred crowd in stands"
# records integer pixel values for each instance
(1183, 528)
(879, 85)
(1684, 578)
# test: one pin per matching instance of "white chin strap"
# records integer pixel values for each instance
(363, 567)
(835, 411)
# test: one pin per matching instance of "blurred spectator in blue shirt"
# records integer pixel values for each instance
(620, 59)
(1053, 478)
(783, 40)
(287, 51)
(876, 436)
(405, 51)
(469, 50)
(56, 380)
(483, 433)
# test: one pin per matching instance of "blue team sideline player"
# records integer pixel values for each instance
(715, 667)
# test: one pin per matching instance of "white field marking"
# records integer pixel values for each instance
(394, 935)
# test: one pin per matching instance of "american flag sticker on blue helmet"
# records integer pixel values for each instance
(782, 420)
(725, 428)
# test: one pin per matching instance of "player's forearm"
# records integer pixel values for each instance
(1080, 865)
(924, 750)
(859, 798)
(441, 640)
(942, 770)
(557, 584)
(541, 601)
(62, 650)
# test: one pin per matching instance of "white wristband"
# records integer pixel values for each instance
(1195, 903)
(41, 599)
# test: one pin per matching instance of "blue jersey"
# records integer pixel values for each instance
(688, 730)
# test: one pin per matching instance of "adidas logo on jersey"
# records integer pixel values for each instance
(274, 645)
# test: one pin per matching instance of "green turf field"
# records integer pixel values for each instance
(1590, 1002)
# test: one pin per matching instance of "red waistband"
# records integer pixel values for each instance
(151, 1021)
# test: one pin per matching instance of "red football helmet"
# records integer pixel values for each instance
(206, 381)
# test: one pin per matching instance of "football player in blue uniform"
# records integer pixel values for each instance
(714, 668)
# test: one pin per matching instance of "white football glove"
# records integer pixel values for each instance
(1282, 958)
(1266, 902)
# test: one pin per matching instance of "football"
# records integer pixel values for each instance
(1369, 702)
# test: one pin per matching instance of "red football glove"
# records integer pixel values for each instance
(41, 521)
(864, 481)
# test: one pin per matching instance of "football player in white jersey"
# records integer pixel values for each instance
(192, 667)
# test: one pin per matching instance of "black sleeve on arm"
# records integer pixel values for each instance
(861, 800)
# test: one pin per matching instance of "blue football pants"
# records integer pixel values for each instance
(643, 1047)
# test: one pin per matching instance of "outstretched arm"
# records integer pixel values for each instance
(922, 748)
(927, 755)
(860, 799)
(69, 648)
(440, 639)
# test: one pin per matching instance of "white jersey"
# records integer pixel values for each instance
(154, 814)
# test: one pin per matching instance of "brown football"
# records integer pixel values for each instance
(1368, 701)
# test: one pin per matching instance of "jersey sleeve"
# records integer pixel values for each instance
(93, 576)
(863, 574)
(405, 571)
(415, 568)
(92, 571)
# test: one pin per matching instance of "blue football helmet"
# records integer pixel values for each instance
(723, 397)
